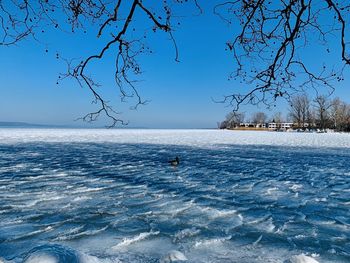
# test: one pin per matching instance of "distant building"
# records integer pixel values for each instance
(272, 126)
(261, 125)
(252, 125)
(247, 125)
(282, 125)
(286, 125)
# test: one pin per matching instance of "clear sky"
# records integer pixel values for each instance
(180, 94)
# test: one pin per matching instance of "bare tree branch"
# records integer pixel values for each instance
(268, 51)
(23, 18)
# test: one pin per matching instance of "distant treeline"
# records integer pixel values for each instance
(321, 113)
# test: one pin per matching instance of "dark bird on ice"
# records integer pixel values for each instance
(174, 162)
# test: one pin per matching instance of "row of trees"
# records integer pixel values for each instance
(321, 112)
(234, 119)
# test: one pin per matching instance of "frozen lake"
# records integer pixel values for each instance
(197, 138)
(110, 196)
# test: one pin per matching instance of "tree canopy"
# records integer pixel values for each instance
(268, 50)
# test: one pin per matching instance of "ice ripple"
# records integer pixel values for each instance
(224, 203)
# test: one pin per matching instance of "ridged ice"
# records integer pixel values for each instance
(111, 196)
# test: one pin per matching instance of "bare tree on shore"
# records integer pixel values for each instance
(278, 119)
(259, 117)
(327, 114)
(234, 119)
(339, 113)
(300, 110)
(322, 104)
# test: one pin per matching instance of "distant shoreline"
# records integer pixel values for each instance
(48, 127)
(249, 129)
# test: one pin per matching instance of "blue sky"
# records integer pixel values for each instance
(180, 94)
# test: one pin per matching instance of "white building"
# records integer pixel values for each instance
(252, 125)
(282, 125)
(286, 125)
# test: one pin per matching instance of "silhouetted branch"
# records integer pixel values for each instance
(269, 49)
(20, 19)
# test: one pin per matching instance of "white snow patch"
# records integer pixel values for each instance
(302, 259)
(199, 138)
(41, 258)
(173, 256)
(128, 241)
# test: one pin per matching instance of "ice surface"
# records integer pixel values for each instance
(128, 241)
(111, 196)
(303, 259)
(200, 138)
(173, 256)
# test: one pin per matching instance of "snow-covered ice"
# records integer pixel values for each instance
(200, 138)
(103, 196)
